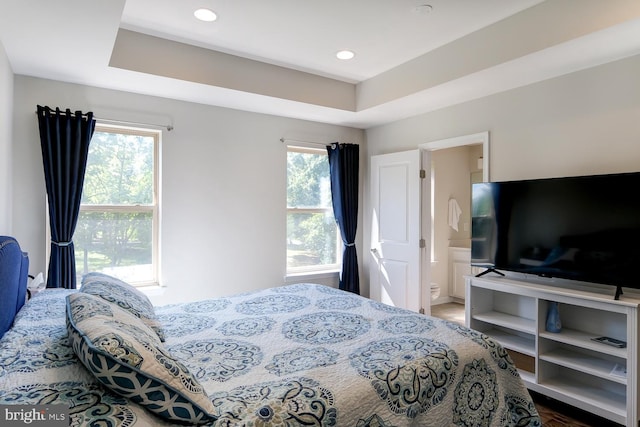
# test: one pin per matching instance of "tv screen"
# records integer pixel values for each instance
(580, 228)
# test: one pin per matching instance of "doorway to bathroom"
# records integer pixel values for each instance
(451, 166)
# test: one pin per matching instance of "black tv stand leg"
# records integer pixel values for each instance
(618, 293)
(490, 270)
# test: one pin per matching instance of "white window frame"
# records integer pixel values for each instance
(154, 207)
(314, 269)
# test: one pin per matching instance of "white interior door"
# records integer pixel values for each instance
(395, 230)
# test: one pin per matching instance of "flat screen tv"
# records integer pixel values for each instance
(583, 228)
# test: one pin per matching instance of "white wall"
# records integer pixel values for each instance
(223, 185)
(582, 123)
(6, 126)
(452, 175)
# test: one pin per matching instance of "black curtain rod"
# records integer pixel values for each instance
(123, 122)
(65, 112)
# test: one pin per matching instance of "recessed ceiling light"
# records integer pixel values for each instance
(345, 54)
(206, 15)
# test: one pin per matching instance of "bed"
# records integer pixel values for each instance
(300, 354)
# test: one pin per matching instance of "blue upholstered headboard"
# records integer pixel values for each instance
(14, 269)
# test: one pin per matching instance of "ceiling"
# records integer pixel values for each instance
(278, 56)
(305, 35)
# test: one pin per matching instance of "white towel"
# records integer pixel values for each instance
(454, 213)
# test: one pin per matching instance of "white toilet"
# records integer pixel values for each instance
(435, 291)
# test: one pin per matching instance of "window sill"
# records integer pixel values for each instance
(311, 275)
(152, 290)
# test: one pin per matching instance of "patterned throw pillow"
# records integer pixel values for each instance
(126, 356)
(125, 296)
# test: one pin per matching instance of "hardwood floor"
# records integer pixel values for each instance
(552, 412)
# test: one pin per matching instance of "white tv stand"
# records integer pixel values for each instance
(568, 366)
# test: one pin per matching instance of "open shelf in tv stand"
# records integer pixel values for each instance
(568, 366)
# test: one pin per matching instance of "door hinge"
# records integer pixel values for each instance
(423, 244)
(423, 174)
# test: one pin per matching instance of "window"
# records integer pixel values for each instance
(117, 230)
(313, 238)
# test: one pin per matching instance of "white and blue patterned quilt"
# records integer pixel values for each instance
(287, 356)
